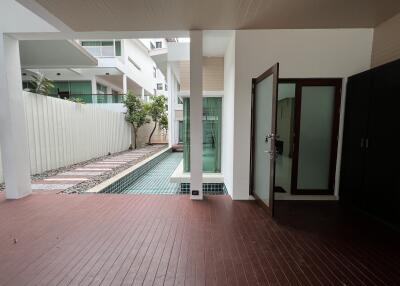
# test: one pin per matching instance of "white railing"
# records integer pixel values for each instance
(61, 133)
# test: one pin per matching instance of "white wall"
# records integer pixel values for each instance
(301, 53)
(227, 115)
(61, 133)
(172, 94)
(140, 55)
(1, 170)
(386, 46)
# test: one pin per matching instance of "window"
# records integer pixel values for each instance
(101, 89)
(180, 139)
(76, 89)
(166, 87)
(154, 72)
(159, 86)
(27, 85)
(102, 48)
(152, 46)
(116, 97)
(158, 45)
(118, 48)
(134, 63)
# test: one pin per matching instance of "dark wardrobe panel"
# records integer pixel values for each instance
(370, 173)
(382, 165)
(355, 133)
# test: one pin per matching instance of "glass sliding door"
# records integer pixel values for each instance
(186, 135)
(316, 133)
(315, 137)
(285, 130)
(212, 134)
(212, 115)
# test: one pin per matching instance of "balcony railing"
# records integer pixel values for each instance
(92, 98)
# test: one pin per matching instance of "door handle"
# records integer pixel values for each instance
(271, 136)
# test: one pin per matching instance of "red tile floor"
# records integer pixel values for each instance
(103, 239)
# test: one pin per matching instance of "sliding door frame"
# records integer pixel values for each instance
(300, 83)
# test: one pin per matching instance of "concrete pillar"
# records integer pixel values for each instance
(171, 107)
(13, 131)
(196, 115)
(109, 92)
(142, 94)
(94, 90)
(124, 84)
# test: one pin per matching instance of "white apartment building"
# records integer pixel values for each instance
(96, 71)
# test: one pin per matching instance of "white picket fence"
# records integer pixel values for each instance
(63, 133)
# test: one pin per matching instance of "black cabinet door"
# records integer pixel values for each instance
(382, 171)
(354, 138)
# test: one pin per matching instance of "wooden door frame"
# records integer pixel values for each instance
(273, 70)
(301, 82)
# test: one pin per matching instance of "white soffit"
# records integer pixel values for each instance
(155, 15)
(54, 53)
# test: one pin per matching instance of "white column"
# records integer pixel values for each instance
(196, 115)
(142, 94)
(124, 84)
(171, 107)
(13, 133)
(94, 90)
(109, 97)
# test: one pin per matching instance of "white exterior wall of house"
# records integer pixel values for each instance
(173, 106)
(227, 117)
(139, 53)
(134, 55)
(301, 54)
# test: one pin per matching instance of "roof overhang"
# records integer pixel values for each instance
(54, 54)
(134, 15)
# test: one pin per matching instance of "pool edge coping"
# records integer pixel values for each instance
(98, 188)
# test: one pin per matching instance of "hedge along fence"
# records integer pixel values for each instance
(62, 133)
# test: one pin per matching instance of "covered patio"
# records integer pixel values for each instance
(49, 239)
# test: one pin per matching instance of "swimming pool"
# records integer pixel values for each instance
(153, 177)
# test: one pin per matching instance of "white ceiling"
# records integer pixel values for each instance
(58, 53)
(153, 15)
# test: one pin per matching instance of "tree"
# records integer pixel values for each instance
(156, 109)
(41, 85)
(136, 114)
(164, 122)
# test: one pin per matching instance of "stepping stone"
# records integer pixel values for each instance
(83, 173)
(101, 166)
(93, 169)
(51, 186)
(65, 179)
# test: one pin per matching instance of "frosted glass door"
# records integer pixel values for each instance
(315, 137)
(263, 152)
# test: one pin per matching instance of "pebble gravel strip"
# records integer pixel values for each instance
(99, 174)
